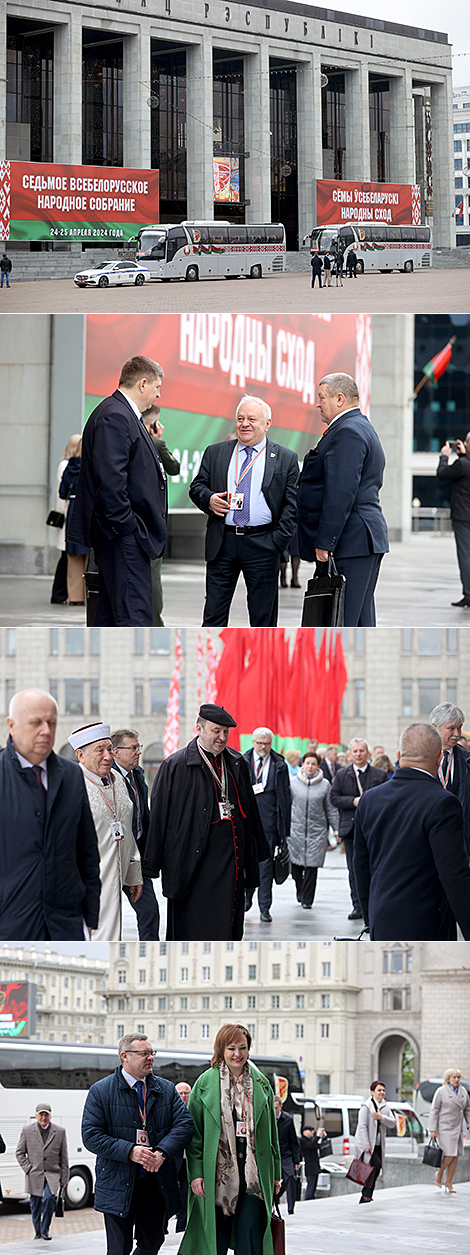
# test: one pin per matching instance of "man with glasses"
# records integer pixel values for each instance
(137, 1125)
(269, 777)
(126, 754)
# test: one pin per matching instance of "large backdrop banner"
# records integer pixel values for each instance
(44, 201)
(212, 360)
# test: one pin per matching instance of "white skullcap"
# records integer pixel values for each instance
(86, 736)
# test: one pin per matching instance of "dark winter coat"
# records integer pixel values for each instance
(338, 494)
(109, 1124)
(282, 790)
(49, 861)
(5, 265)
(458, 475)
(344, 789)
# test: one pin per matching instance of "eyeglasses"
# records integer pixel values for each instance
(146, 1054)
(129, 747)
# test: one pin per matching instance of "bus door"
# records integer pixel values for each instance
(345, 237)
(152, 252)
(233, 262)
(176, 259)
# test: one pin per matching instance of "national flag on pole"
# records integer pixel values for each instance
(199, 661)
(460, 210)
(438, 364)
(171, 736)
(212, 662)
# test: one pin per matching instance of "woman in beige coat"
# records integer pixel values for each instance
(375, 1118)
(450, 1107)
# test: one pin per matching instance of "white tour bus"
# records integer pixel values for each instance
(378, 246)
(61, 1074)
(205, 250)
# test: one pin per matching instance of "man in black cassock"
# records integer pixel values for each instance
(205, 835)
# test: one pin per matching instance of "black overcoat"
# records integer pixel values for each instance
(338, 494)
(344, 789)
(278, 487)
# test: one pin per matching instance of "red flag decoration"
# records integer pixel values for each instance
(433, 370)
(212, 662)
(199, 661)
(171, 736)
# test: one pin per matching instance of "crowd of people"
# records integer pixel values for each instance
(331, 266)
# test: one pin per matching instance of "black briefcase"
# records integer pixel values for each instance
(92, 581)
(324, 599)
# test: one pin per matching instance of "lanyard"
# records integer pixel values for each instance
(113, 809)
(239, 1094)
(248, 467)
(222, 783)
(445, 781)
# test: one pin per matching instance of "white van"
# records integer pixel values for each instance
(339, 1117)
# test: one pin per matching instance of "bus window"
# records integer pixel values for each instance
(346, 236)
(423, 234)
(176, 240)
(274, 235)
(198, 235)
(153, 245)
(366, 232)
(218, 235)
(394, 234)
(237, 235)
(256, 235)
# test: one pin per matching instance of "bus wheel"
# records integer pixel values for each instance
(408, 267)
(256, 272)
(78, 1192)
(360, 266)
(103, 281)
(192, 274)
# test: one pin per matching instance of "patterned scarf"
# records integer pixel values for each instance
(227, 1180)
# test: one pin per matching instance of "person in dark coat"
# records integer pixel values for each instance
(457, 474)
(329, 763)
(126, 754)
(347, 788)
(269, 777)
(338, 498)
(317, 267)
(77, 555)
(309, 1143)
(5, 270)
(205, 834)
(327, 269)
(290, 1154)
(136, 1125)
(184, 1090)
(339, 263)
(121, 499)
(171, 465)
(454, 770)
(251, 534)
(409, 859)
(49, 862)
(351, 263)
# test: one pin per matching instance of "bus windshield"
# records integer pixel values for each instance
(152, 243)
(323, 238)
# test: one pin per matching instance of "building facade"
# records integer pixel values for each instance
(461, 113)
(70, 992)
(287, 96)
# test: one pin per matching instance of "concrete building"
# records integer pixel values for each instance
(70, 992)
(345, 1011)
(461, 113)
(290, 96)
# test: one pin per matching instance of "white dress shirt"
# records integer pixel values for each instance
(259, 509)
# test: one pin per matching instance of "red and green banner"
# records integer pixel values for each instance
(336, 201)
(42, 201)
(436, 367)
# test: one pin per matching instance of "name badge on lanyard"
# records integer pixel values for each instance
(225, 809)
(141, 1137)
(259, 787)
(235, 500)
(241, 1128)
(117, 832)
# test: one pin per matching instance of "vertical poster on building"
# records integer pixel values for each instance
(45, 201)
(17, 1009)
(227, 179)
(212, 360)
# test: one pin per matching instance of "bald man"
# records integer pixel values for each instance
(49, 864)
(409, 858)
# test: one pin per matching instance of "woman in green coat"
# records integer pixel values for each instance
(234, 1164)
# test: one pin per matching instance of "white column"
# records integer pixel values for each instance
(402, 156)
(257, 135)
(199, 130)
(391, 412)
(443, 164)
(136, 92)
(309, 139)
(67, 145)
(356, 84)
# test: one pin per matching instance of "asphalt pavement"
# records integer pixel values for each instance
(414, 1218)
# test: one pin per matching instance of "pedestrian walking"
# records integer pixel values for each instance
(375, 1118)
(312, 815)
(339, 264)
(42, 1154)
(450, 1109)
(5, 270)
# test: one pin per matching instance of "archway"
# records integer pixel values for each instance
(395, 1060)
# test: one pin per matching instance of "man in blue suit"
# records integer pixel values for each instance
(411, 870)
(454, 770)
(126, 754)
(121, 501)
(247, 487)
(338, 498)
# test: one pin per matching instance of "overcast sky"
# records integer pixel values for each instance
(454, 20)
(89, 949)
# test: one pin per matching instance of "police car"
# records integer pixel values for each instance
(112, 273)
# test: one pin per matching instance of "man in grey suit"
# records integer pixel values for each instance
(42, 1154)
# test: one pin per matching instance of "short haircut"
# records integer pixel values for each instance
(451, 1072)
(126, 1041)
(259, 731)
(420, 741)
(116, 737)
(373, 1085)
(152, 412)
(227, 1034)
(139, 368)
(311, 754)
(341, 383)
(446, 712)
(361, 740)
(266, 409)
(15, 701)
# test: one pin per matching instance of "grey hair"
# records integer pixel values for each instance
(446, 712)
(361, 740)
(420, 741)
(266, 409)
(267, 731)
(15, 701)
(126, 1041)
(341, 383)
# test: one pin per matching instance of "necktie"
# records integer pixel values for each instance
(139, 1085)
(242, 517)
(135, 799)
(259, 770)
(37, 772)
(106, 780)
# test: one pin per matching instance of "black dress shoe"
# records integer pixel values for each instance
(266, 918)
(248, 902)
(356, 913)
(47, 1237)
(306, 906)
(464, 601)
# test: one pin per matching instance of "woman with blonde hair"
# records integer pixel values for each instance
(450, 1108)
(234, 1164)
(77, 555)
(59, 587)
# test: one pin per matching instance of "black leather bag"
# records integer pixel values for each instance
(281, 864)
(60, 1203)
(325, 1147)
(324, 599)
(55, 518)
(432, 1153)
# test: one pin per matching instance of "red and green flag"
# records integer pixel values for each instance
(436, 367)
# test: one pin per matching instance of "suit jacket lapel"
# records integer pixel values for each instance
(272, 453)
(142, 431)
(55, 774)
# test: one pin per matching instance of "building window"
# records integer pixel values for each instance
(159, 689)
(252, 1030)
(141, 1028)
(324, 1030)
(326, 969)
(205, 1032)
(138, 640)
(183, 1004)
(161, 1032)
(206, 1003)
(228, 1002)
(301, 969)
(299, 1030)
(206, 973)
(252, 971)
(325, 1000)
(229, 973)
(142, 949)
(75, 640)
(359, 698)
(184, 973)
(94, 697)
(300, 1001)
(74, 697)
(122, 950)
(141, 1004)
(159, 640)
(275, 1002)
(406, 697)
(94, 638)
(229, 945)
(163, 948)
(119, 1030)
(276, 971)
(207, 947)
(138, 697)
(162, 1004)
(183, 1032)
(121, 977)
(323, 1083)
(274, 1032)
(142, 976)
(121, 1004)
(251, 1002)
(429, 640)
(162, 974)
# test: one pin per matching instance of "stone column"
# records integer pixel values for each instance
(391, 412)
(402, 156)
(356, 84)
(443, 164)
(136, 92)
(67, 145)
(199, 130)
(257, 135)
(309, 139)
(3, 75)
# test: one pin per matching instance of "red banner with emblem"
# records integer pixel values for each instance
(338, 201)
(43, 201)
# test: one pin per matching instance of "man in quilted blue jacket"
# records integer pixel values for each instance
(136, 1124)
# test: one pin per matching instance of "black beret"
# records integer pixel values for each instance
(217, 714)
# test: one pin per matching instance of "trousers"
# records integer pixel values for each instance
(125, 587)
(361, 578)
(462, 541)
(258, 559)
(249, 1225)
(376, 1161)
(147, 1213)
(349, 848)
(147, 911)
(42, 1209)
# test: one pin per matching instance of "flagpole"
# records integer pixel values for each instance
(425, 378)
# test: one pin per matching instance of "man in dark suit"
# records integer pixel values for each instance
(121, 500)
(269, 775)
(329, 763)
(49, 861)
(454, 770)
(457, 473)
(346, 791)
(338, 498)
(290, 1154)
(247, 487)
(409, 861)
(126, 754)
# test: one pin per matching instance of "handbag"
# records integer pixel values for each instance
(281, 864)
(324, 599)
(278, 1231)
(360, 1172)
(55, 518)
(60, 1203)
(298, 1187)
(325, 1147)
(432, 1153)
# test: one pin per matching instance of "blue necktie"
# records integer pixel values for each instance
(139, 1085)
(242, 517)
